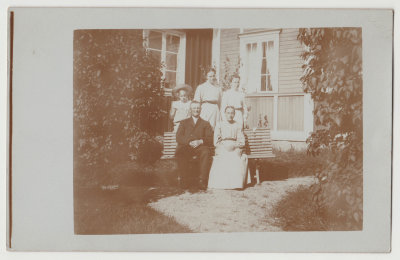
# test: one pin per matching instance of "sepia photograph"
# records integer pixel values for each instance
(215, 130)
(150, 129)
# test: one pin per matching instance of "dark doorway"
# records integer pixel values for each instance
(198, 55)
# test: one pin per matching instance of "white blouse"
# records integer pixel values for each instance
(229, 131)
(182, 110)
(207, 92)
(233, 98)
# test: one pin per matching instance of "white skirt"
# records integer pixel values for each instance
(210, 112)
(228, 170)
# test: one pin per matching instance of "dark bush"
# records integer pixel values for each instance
(333, 203)
(117, 99)
(297, 212)
(339, 195)
(149, 151)
(332, 74)
(292, 163)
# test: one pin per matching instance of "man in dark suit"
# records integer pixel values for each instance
(194, 138)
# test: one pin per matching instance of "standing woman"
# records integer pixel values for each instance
(209, 96)
(235, 98)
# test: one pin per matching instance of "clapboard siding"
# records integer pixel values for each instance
(294, 88)
(290, 57)
(290, 61)
(291, 81)
(230, 48)
(293, 42)
(286, 110)
(284, 57)
(290, 35)
(293, 63)
(294, 70)
(289, 73)
(254, 30)
(289, 110)
(292, 51)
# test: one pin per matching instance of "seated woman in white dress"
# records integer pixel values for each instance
(229, 167)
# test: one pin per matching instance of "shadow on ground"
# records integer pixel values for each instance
(273, 172)
(100, 209)
(124, 210)
(269, 171)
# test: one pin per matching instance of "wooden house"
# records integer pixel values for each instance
(269, 64)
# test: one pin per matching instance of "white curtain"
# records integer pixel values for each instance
(271, 61)
(253, 67)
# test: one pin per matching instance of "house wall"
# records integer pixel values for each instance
(290, 106)
(290, 62)
(230, 49)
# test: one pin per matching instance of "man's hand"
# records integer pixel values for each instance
(219, 139)
(196, 143)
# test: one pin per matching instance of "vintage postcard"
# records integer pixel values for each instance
(155, 130)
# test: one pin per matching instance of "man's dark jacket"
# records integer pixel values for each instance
(188, 131)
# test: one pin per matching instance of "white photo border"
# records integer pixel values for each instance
(42, 91)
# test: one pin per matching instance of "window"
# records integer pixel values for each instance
(259, 55)
(291, 113)
(169, 47)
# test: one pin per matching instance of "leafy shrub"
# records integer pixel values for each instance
(117, 98)
(339, 195)
(295, 163)
(297, 212)
(332, 73)
(230, 69)
(149, 151)
(333, 203)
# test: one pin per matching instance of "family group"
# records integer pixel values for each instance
(209, 131)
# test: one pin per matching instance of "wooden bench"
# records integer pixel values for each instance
(258, 146)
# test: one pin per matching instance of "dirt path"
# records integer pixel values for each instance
(229, 210)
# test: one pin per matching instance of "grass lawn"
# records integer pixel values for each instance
(125, 210)
(289, 164)
(339, 199)
(295, 212)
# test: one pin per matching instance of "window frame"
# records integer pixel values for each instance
(259, 37)
(181, 55)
